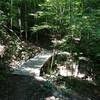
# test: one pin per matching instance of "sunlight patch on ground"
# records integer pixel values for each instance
(39, 78)
(27, 71)
(58, 41)
(2, 50)
(52, 98)
(63, 71)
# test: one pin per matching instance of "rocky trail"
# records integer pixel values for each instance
(25, 82)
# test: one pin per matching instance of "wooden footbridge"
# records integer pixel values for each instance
(33, 66)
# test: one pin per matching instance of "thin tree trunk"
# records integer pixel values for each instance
(37, 37)
(71, 17)
(11, 20)
(19, 20)
(25, 21)
(52, 60)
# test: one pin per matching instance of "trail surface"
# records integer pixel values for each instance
(25, 83)
(32, 66)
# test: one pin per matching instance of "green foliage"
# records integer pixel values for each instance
(82, 87)
(76, 19)
(54, 14)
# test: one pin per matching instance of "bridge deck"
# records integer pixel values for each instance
(32, 66)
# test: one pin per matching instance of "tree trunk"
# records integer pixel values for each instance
(52, 60)
(19, 20)
(25, 21)
(71, 16)
(11, 20)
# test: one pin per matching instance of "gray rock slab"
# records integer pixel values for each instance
(32, 66)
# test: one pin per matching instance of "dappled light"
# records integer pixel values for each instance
(33, 65)
(2, 50)
(49, 49)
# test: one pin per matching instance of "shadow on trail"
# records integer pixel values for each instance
(28, 88)
(24, 88)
